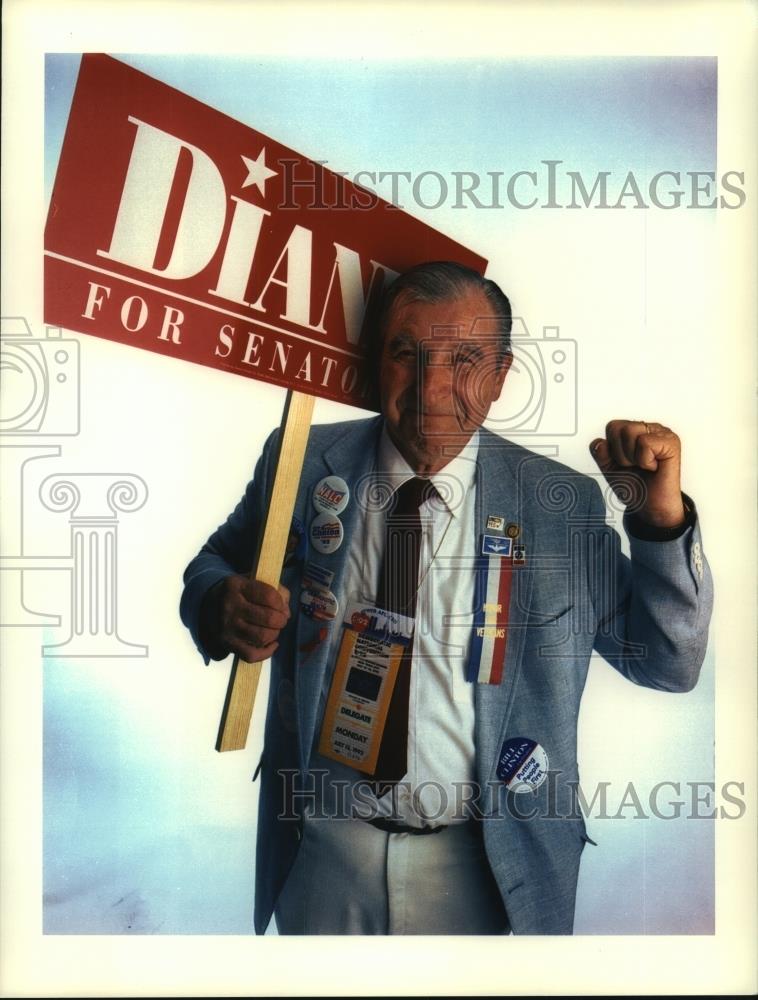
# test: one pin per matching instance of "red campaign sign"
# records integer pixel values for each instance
(177, 229)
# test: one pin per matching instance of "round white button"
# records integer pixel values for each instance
(331, 495)
(319, 604)
(326, 533)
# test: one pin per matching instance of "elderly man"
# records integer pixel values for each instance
(442, 596)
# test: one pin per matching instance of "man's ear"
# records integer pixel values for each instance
(502, 371)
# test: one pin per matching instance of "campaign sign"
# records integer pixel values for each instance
(174, 228)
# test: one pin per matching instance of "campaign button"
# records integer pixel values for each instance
(326, 533)
(496, 545)
(319, 604)
(512, 530)
(317, 576)
(331, 495)
(522, 765)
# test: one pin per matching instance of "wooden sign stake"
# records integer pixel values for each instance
(243, 682)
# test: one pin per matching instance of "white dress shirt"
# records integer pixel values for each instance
(441, 707)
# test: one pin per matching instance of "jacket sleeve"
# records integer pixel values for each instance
(652, 610)
(230, 549)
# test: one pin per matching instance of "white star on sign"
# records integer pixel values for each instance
(257, 171)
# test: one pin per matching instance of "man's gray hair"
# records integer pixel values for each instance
(444, 279)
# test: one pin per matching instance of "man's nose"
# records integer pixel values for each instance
(435, 378)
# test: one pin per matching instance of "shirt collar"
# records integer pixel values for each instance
(452, 482)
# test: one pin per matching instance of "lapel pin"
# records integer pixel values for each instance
(496, 545)
(308, 647)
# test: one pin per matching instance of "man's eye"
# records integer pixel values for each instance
(404, 354)
(468, 359)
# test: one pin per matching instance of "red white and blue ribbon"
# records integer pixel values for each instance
(489, 637)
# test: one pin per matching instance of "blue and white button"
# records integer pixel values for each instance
(522, 764)
(326, 533)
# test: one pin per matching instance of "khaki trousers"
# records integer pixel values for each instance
(351, 878)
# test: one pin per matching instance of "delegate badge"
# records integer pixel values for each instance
(522, 764)
(372, 646)
(331, 495)
(326, 533)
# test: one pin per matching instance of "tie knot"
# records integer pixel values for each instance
(413, 493)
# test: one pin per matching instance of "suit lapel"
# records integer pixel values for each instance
(498, 492)
(352, 457)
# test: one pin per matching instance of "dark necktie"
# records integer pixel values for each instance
(398, 584)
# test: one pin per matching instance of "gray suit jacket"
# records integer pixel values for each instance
(648, 617)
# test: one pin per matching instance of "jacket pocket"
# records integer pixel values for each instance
(539, 618)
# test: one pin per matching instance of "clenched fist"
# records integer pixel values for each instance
(245, 617)
(650, 454)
